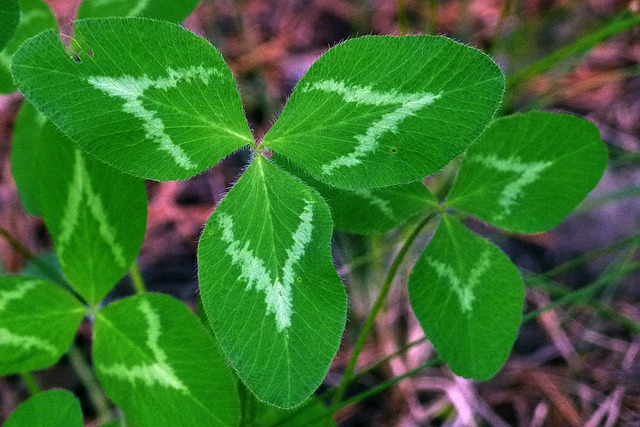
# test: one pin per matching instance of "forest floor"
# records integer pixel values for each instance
(577, 364)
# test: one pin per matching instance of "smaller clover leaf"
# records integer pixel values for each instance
(96, 215)
(51, 408)
(34, 16)
(38, 321)
(527, 172)
(367, 211)
(468, 298)
(161, 366)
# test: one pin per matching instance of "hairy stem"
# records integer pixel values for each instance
(52, 272)
(136, 279)
(90, 382)
(375, 310)
(30, 383)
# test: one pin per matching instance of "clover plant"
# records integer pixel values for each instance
(134, 98)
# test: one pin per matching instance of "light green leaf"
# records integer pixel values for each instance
(26, 137)
(51, 408)
(268, 284)
(160, 365)
(166, 10)
(527, 172)
(35, 16)
(9, 19)
(147, 97)
(367, 211)
(38, 321)
(95, 214)
(382, 110)
(468, 298)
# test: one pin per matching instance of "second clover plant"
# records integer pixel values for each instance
(135, 98)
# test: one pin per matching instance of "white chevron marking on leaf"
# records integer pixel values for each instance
(380, 203)
(26, 342)
(529, 173)
(15, 294)
(408, 105)
(159, 372)
(131, 90)
(278, 291)
(462, 289)
(138, 8)
(80, 187)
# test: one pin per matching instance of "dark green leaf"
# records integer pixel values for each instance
(26, 138)
(9, 19)
(166, 10)
(35, 16)
(366, 211)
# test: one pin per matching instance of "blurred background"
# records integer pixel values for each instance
(576, 360)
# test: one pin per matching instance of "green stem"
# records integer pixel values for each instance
(375, 310)
(17, 246)
(30, 383)
(329, 393)
(372, 391)
(387, 359)
(136, 279)
(403, 19)
(621, 22)
(88, 379)
(53, 274)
